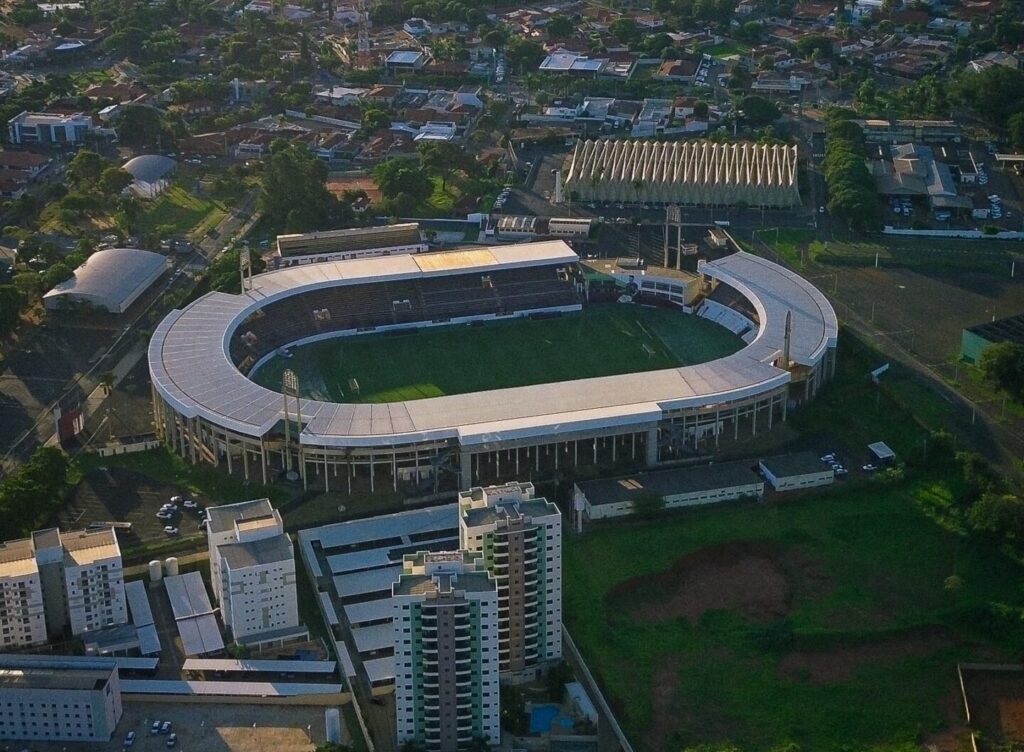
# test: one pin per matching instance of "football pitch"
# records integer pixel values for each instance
(602, 340)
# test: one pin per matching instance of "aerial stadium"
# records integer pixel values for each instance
(686, 173)
(444, 370)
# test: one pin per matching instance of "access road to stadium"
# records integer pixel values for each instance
(207, 409)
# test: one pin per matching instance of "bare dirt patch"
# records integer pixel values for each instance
(752, 578)
(664, 719)
(996, 699)
(842, 663)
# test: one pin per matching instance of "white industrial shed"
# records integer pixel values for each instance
(693, 173)
(152, 173)
(110, 279)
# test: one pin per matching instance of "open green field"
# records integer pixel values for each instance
(928, 254)
(726, 49)
(825, 620)
(182, 213)
(598, 341)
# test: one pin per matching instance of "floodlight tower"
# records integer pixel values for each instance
(290, 393)
(245, 269)
(674, 218)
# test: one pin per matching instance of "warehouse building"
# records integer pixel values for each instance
(976, 339)
(795, 472)
(677, 487)
(51, 701)
(687, 173)
(110, 280)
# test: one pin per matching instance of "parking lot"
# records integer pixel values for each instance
(206, 727)
(114, 494)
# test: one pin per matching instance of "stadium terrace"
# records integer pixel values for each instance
(208, 410)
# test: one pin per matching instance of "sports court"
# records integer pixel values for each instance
(604, 340)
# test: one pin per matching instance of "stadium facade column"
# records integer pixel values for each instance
(595, 450)
(227, 450)
(245, 460)
(465, 470)
(327, 483)
(652, 445)
(394, 469)
(263, 460)
(753, 418)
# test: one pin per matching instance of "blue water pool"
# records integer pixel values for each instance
(541, 717)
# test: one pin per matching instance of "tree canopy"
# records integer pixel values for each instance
(293, 191)
(851, 187)
(32, 495)
(1003, 366)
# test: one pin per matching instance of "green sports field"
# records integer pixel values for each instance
(598, 341)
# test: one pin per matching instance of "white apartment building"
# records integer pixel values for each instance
(519, 539)
(22, 622)
(65, 703)
(252, 566)
(53, 581)
(445, 609)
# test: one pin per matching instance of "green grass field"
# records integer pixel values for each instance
(828, 620)
(599, 341)
(182, 213)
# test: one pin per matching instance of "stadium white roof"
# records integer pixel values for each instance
(112, 279)
(192, 370)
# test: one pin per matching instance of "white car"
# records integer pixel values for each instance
(170, 530)
(868, 468)
(204, 523)
(129, 739)
(828, 457)
(190, 504)
(175, 499)
(164, 515)
(841, 470)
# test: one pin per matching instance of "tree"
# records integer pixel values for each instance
(11, 301)
(56, 274)
(85, 167)
(759, 111)
(114, 180)
(402, 177)
(1001, 515)
(555, 680)
(140, 125)
(624, 29)
(647, 504)
(31, 496)
(496, 37)
(224, 275)
(1003, 366)
(293, 191)
(524, 54)
(560, 27)
(513, 710)
(441, 158)
(374, 119)
(1015, 125)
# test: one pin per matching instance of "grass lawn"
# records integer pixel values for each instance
(185, 212)
(929, 254)
(726, 49)
(599, 341)
(822, 620)
(443, 200)
(790, 243)
(863, 658)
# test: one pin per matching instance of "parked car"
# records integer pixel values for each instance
(172, 740)
(155, 728)
(830, 457)
(165, 727)
(869, 468)
(189, 504)
(129, 739)
(841, 470)
(175, 499)
(171, 530)
(164, 515)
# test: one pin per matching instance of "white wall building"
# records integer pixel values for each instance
(22, 622)
(59, 704)
(793, 472)
(445, 610)
(252, 567)
(519, 539)
(48, 129)
(53, 581)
